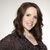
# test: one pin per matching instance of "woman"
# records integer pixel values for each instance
(27, 34)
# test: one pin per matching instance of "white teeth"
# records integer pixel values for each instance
(30, 24)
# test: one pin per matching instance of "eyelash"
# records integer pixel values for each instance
(35, 17)
(28, 15)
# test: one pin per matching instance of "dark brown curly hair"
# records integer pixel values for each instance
(19, 29)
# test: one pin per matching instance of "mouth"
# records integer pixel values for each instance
(30, 24)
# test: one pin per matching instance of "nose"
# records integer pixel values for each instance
(31, 19)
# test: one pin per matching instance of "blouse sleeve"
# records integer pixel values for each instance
(6, 43)
(43, 46)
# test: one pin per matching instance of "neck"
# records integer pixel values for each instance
(30, 37)
(26, 32)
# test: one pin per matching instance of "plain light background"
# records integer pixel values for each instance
(8, 10)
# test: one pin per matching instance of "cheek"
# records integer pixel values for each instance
(24, 21)
(35, 21)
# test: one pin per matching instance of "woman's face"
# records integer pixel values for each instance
(30, 18)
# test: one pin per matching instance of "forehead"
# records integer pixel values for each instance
(31, 10)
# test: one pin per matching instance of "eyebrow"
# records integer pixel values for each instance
(30, 14)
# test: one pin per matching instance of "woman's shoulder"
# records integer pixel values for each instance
(42, 45)
(9, 37)
(9, 41)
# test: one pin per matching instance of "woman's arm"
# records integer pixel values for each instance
(7, 43)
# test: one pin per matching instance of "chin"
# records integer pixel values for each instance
(29, 29)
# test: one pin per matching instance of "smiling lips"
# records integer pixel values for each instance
(30, 24)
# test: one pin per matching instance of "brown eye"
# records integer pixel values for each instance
(35, 17)
(28, 15)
